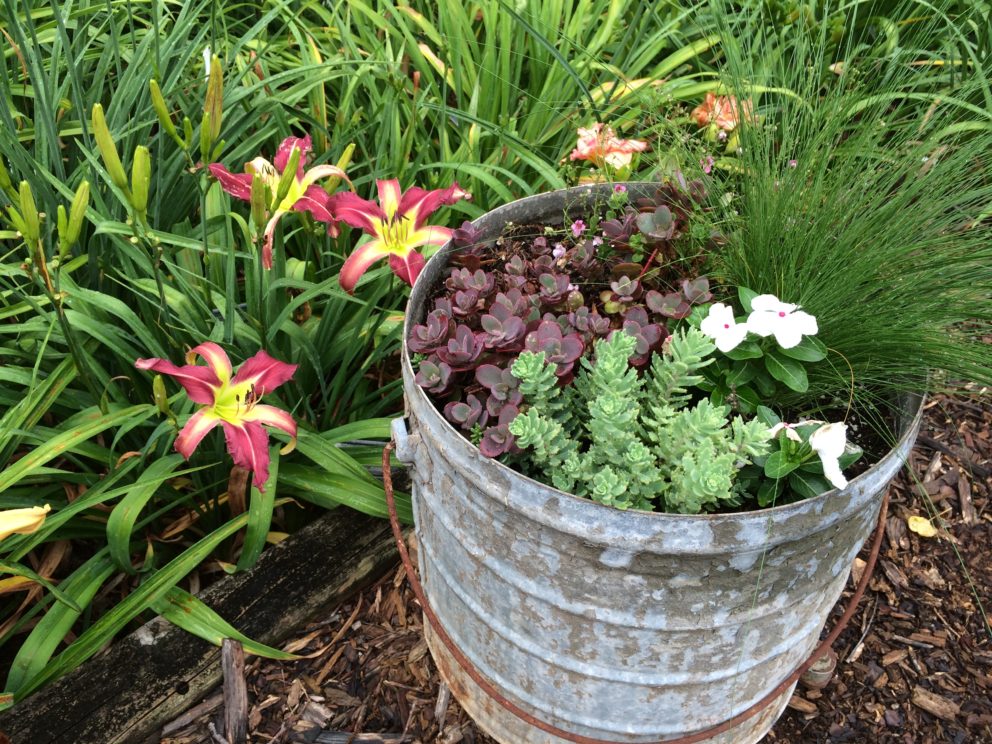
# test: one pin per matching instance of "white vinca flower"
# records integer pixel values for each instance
(722, 328)
(790, 431)
(828, 442)
(772, 317)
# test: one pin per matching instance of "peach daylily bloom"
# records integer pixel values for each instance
(723, 111)
(599, 144)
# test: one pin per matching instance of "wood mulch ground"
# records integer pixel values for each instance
(915, 663)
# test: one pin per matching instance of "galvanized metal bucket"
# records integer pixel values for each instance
(624, 626)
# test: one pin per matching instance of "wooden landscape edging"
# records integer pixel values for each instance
(154, 674)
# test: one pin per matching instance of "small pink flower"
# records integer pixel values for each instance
(619, 189)
(578, 227)
(599, 144)
(596, 241)
(707, 164)
(232, 402)
(793, 163)
(559, 250)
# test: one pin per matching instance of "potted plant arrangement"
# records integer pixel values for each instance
(646, 441)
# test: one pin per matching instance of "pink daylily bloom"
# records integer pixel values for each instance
(231, 402)
(303, 195)
(599, 144)
(396, 225)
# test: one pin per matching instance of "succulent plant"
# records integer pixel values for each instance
(551, 290)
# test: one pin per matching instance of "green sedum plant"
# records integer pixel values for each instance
(632, 441)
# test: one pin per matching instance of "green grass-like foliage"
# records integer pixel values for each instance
(640, 444)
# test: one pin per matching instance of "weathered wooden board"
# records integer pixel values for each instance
(152, 675)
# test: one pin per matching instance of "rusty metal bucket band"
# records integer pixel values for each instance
(509, 705)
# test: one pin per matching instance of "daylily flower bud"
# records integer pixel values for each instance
(29, 214)
(187, 132)
(5, 182)
(62, 222)
(343, 162)
(108, 151)
(162, 112)
(160, 397)
(259, 202)
(213, 103)
(77, 213)
(141, 178)
(288, 176)
(205, 141)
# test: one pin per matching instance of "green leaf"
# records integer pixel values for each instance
(768, 492)
(16, 569)
(808, 485)
(739, 374)
(767, 416)
(115, 620)
(747, 399)
(787, 371)
(810, 349)
(36, 650)
(181, 608)
(120, 524)
(260, 514)
(745, 350)
(778, 465)
(746, 295)
(88, 424)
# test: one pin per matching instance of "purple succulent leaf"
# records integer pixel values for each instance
(540, 245)
(443, 304)
(497, 440)
(434, 375)
(463, 349)
(502, 334)
(514, 301)
(584, 254)
(516, 266)
(657, 225)
(626, 289)
(553, 288)
(465, 302)
(489, 376)
(637, 314)
(468, 413)
(433, 334)
(671, 305)
(619, 232)
(697, 291)
(542, 265)
(468, 235)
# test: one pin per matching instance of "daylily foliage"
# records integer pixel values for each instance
(232, 402)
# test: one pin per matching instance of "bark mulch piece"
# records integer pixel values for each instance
(915, 663)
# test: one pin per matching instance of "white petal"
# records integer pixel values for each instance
(771, 303)
(786, 334)
(829, 440)
(762, 322)
(731, 337)
(805, 322)
(832, 472)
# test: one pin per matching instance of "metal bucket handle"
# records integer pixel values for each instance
(405, 447)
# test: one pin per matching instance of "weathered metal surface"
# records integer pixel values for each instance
(626, 626)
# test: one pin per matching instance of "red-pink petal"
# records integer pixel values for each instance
(314, 201)
(237, 185)
(249, 448)
(355, 211)
(421, 204)
(198, 426)
(407, 268)
(358, 263)
(390, 196)
(272, 416)
(199, 382)
(264, 372)
(215, 357)
(285, 150)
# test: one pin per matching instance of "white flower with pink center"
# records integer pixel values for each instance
(720, 325)
(829, 442)
(787, 323)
